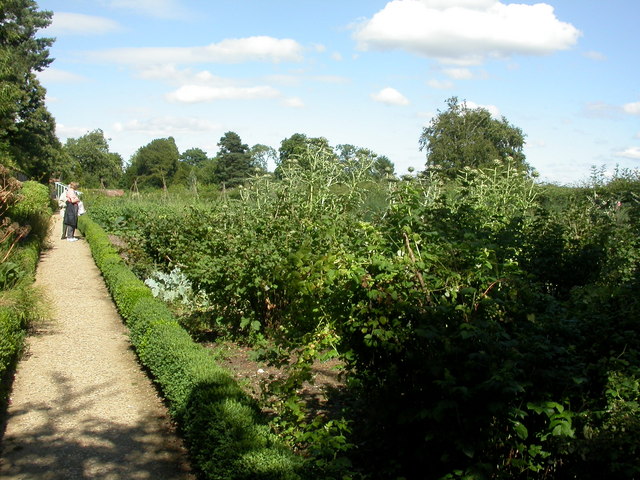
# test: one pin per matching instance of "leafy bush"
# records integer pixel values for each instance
(488, 325)
(34, 208)
(21, 242)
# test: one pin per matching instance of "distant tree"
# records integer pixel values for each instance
(470, 137)
(97, 167)
(383, 167)
(27, 129)
(296, 149)
(377, 166)
(154, 165)
(206, 172)
(191, 161)
(194, 157)
(233, 162)
(261, 156)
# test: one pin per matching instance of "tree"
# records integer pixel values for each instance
(27, 129)
(297, 148)
(233, 165)
(464, 137)
(261, 156)
(190, 164)
(194, 157)
(154, 164)
(97, 167)
(377, 166)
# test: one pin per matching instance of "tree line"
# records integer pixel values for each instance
(457, 137)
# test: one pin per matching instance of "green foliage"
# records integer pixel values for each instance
(20, 304)
(33, 208)
(27, 129)
(153, 165)
(469, 137)
(486, 324)
(94, 165)
(194, 157)
(227, 438)
(233, 162)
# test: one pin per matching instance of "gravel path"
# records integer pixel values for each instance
(81, 406)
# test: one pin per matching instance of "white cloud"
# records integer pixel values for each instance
(66, 131)
(54, 75)
(601, 110)
(166, 126)
(64, 23)
(280, 79)
(203, 93)
(234, 50)
(458, 73)
(493, 110)
(174, 76)
(593, 55)
(465, 32)
(337, 56)
(631, 152)
(440, 84)
(632, 108)
(294, 102)
(390, 96)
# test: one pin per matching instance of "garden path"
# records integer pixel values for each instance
(81, 406)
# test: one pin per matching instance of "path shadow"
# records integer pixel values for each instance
(64, 441)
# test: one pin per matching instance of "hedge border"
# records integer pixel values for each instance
(225, 433)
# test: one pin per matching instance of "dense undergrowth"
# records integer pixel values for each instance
(25, 211)
(488, 325)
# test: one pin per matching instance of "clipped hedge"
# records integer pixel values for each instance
(223, 428)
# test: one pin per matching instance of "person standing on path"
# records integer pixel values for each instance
(71, 212)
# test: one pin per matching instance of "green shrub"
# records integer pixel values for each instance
(19, 302)
(33, 208)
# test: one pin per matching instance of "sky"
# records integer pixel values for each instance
(370, 73)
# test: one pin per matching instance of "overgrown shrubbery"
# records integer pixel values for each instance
(488, 325)
(24, 215)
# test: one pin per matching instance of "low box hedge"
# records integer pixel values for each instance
(226, 435)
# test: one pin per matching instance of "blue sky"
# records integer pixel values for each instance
(370, 73)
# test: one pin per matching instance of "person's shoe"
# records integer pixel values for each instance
(72, 239)
(63, 237)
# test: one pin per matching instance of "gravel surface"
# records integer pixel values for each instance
(81, 406)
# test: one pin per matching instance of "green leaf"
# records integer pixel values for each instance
(521, 430)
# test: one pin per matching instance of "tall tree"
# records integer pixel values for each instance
(233, 162)
(470, 137)
(27, 129)
(97, 167)
(154, 164)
